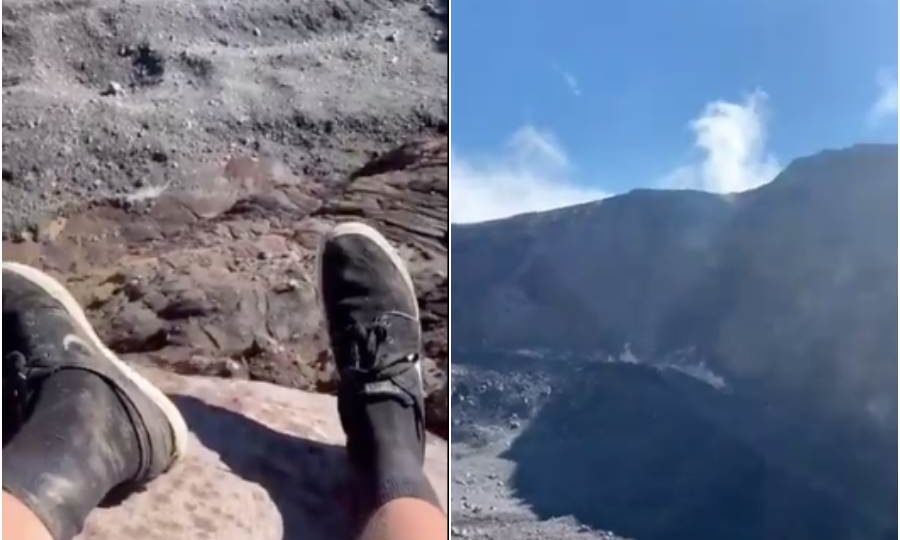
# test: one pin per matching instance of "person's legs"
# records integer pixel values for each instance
(373, 321)
(91, 423)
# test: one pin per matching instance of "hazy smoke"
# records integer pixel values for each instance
(732, 137)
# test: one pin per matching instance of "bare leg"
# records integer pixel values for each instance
(406, 519)
(20, 523)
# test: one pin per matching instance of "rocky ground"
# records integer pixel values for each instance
(103, 98)
(491, 408)
(175, 163)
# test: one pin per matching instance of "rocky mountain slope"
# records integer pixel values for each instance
(492, 408)
(802, 269)
(720, 365)
(175, 163)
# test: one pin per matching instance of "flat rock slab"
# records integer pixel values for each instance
(263, 462)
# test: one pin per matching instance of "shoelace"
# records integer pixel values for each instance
(17, 387)
(373, 336)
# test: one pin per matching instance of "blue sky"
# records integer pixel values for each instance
(555, 102)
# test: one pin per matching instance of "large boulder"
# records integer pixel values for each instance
(263, 462)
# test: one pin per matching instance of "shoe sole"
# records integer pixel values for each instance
(55, 289)
(361, 229)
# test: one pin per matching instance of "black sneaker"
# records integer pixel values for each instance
(373, 321)
(46, 331)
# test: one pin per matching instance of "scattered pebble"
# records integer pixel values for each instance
(113, 89)
(22, 235)
(290, 285)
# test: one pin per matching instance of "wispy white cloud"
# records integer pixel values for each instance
(732, 138)
(569, 79)
(537, 149)
(532, 174)
(885, 105)
(572, 83)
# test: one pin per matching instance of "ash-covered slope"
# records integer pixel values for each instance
(752, 390)
(102, 97)
(790, 282)
(654, 454)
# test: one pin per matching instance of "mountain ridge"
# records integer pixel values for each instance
(858, 147)
(786, 292)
